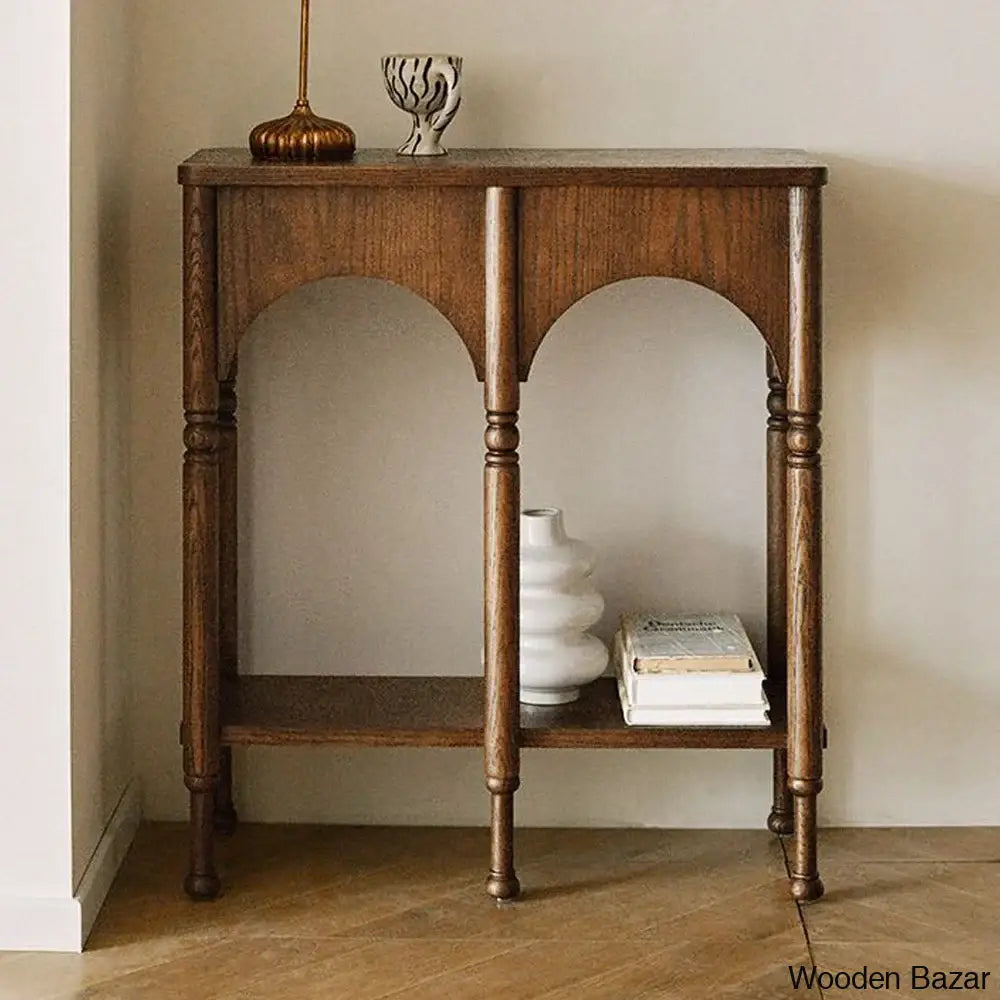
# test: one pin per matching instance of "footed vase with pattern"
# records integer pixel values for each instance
(428, 88)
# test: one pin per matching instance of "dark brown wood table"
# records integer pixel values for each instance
(502, 242)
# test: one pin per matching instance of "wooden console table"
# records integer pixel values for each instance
(502, 242)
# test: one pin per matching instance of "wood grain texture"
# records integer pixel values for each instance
(780, 818)
(805, 613)
(297, 710)
(224, 810)
(517, 168)
(368, 913)
(502, 509)
(363, 913)
(576, 240)
(273, 240)
(202, 439)
(502, 243)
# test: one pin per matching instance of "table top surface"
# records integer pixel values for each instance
(517, 168)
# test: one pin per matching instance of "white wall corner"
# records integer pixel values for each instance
(108, 857)
(34, 923)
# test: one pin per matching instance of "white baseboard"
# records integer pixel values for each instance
(108, 857)
(31, 923)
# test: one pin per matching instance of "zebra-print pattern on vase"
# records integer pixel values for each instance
(428, 87)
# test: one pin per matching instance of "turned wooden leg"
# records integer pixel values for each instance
(502, 546)
(202, 883)
(502, 882)
(804, 646)
(201, 536)
(780, 819)
(502, 716)
(225, 817)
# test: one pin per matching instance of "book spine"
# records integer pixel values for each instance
(689, 716)
(697, 690)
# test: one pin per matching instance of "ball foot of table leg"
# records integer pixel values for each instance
(503, 887)
(806, 890)
(202, 888)
(780, 823)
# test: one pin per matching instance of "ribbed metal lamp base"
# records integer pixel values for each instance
(302, 137)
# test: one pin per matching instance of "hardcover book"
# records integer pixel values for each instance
(642, 715)
(703, 688)
(751, 709)
(687, 643)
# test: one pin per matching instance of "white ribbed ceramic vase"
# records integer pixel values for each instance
(558, 604)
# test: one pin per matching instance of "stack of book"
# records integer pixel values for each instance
(688, 670)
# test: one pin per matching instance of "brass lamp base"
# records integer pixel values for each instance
(302, 137)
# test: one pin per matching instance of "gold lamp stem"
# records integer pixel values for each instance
(303, 101)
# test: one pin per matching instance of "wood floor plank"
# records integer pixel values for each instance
(647, 903)
(51, 976)
(528, 972)
(349, 904)
(373, 913)
(367, 971)
(908, 902)
(869, 844)
(214, 970)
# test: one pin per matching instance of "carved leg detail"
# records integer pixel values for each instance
(806, 885)
(805, 616)
(201, 647)
(502, 687)
(501, 503)
(805, 696)
(202, 440)
(202, 882)
(502, 882)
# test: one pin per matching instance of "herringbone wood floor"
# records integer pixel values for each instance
(366, 913)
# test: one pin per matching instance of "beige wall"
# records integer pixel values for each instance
(101, 129)
(644, 416)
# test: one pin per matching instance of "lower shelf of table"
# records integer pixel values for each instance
(447, 712)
